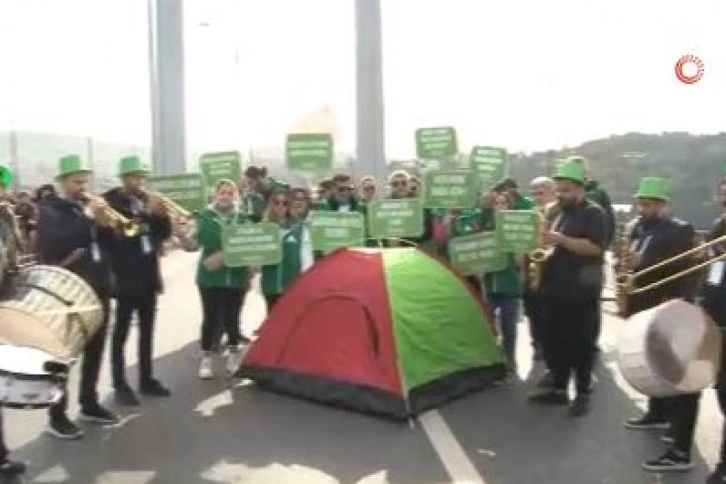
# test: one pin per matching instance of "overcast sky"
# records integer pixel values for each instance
(524, 74)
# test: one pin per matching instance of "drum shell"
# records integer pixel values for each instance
(671, 349)
(51, 309)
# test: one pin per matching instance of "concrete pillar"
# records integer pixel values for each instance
(370, 135)
(166, 59)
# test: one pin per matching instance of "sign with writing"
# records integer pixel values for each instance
(187, 190)
(517, 230)
(249, 244)
(477, 254)
(451, 189)
(217, 166)
(309, 152)
(436, 143)
(402, 217)
(490, 163)
(332, 230)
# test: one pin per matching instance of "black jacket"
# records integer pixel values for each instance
(62, 229)
(136, 264)
(657, 241)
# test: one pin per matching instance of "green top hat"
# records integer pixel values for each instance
(654, 188)
(6, 177)
(70, 165)
(131, 165)
(569, 170)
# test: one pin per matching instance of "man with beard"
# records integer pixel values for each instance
(135, 262)
(76, 232)
(572, 283)
(656, 237)
(714, 302)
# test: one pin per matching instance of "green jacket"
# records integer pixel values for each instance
(521, 202)
(506, 282)
(595, 193)
(253, 205)
(277, 278)
(469, 222)
(209, 237)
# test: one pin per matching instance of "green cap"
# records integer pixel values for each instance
(70, 165)
(278, 187)
(6, 176)
(655, 188)
(569, 170)
(129, 165)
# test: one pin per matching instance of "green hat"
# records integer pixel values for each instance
(129, 165)
(278, 187)
(6, 177)
(655, 188)
(70, 165)
(569, 170)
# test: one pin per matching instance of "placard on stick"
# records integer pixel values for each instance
(309, 152)
(517, 230)
(333, 230)
(436, 143)
(396, 218)
(451, 189)
(186, 189)
(477, 254)
(251, 244)
(490, 163)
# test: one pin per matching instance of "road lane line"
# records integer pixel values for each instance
(457, 464)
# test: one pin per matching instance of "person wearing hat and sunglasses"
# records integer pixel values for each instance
(655, 237)
(572, 283)
(76, 232)
(135, 262)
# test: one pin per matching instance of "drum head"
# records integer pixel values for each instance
(17, 360)
(21, 328)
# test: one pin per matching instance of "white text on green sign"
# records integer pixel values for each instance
(332, 230)
(312, 152)
(436, 143)
(477, 253)
(451, 189)
(396, 218)
(252, 244)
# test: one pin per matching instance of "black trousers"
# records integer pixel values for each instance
(145, 308)
(4, 451)
(90, 369)
(534, 309)
(682, 413)
(221, 307)
(721, 396)
(571, 327)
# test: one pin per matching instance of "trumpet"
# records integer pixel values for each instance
(626, 282)
(129, 227)
(175, 210)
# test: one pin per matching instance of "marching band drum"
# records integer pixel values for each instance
(671, 349)
(46, 321)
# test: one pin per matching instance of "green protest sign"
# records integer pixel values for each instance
(402, 217)
(309, 152)
(477, 254)
(217, 166)
(436, 143)
(250, 244)
(490, 163)
(451, 189)
(332, 230)
(517, 230)
(187, 190)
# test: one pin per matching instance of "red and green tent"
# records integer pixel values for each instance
(391, 332)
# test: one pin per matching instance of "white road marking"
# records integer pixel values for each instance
(458, 465)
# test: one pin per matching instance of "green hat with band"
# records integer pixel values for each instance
(71, 165)
(571, 171)
(6, 177)
(655, 188)
(132, 165)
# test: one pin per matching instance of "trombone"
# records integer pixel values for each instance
(626, 282)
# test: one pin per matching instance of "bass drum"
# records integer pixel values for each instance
(51, 309)
(671, 349)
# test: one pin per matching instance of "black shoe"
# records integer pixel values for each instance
(63, 428)
(580, 406)
(154, 388)
(550, 397)
(547, 380)
(718, 476)
(647, 422)
(125, 396)
(11, 467)
(671, 461)
(97, 414)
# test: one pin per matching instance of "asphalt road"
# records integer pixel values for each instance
(208, 433)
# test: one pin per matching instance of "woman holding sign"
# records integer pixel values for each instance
(297, 253)
(222, 289)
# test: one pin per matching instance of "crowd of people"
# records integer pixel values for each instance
(74, 230)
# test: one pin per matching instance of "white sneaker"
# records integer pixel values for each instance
(206, 369)
(233, 360)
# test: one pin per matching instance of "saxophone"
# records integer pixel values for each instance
(624, 268)
(540, 254)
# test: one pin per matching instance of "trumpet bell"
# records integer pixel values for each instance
(538, 255)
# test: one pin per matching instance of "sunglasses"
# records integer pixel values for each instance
(344, 189)
(397, 184)
(280, 203)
